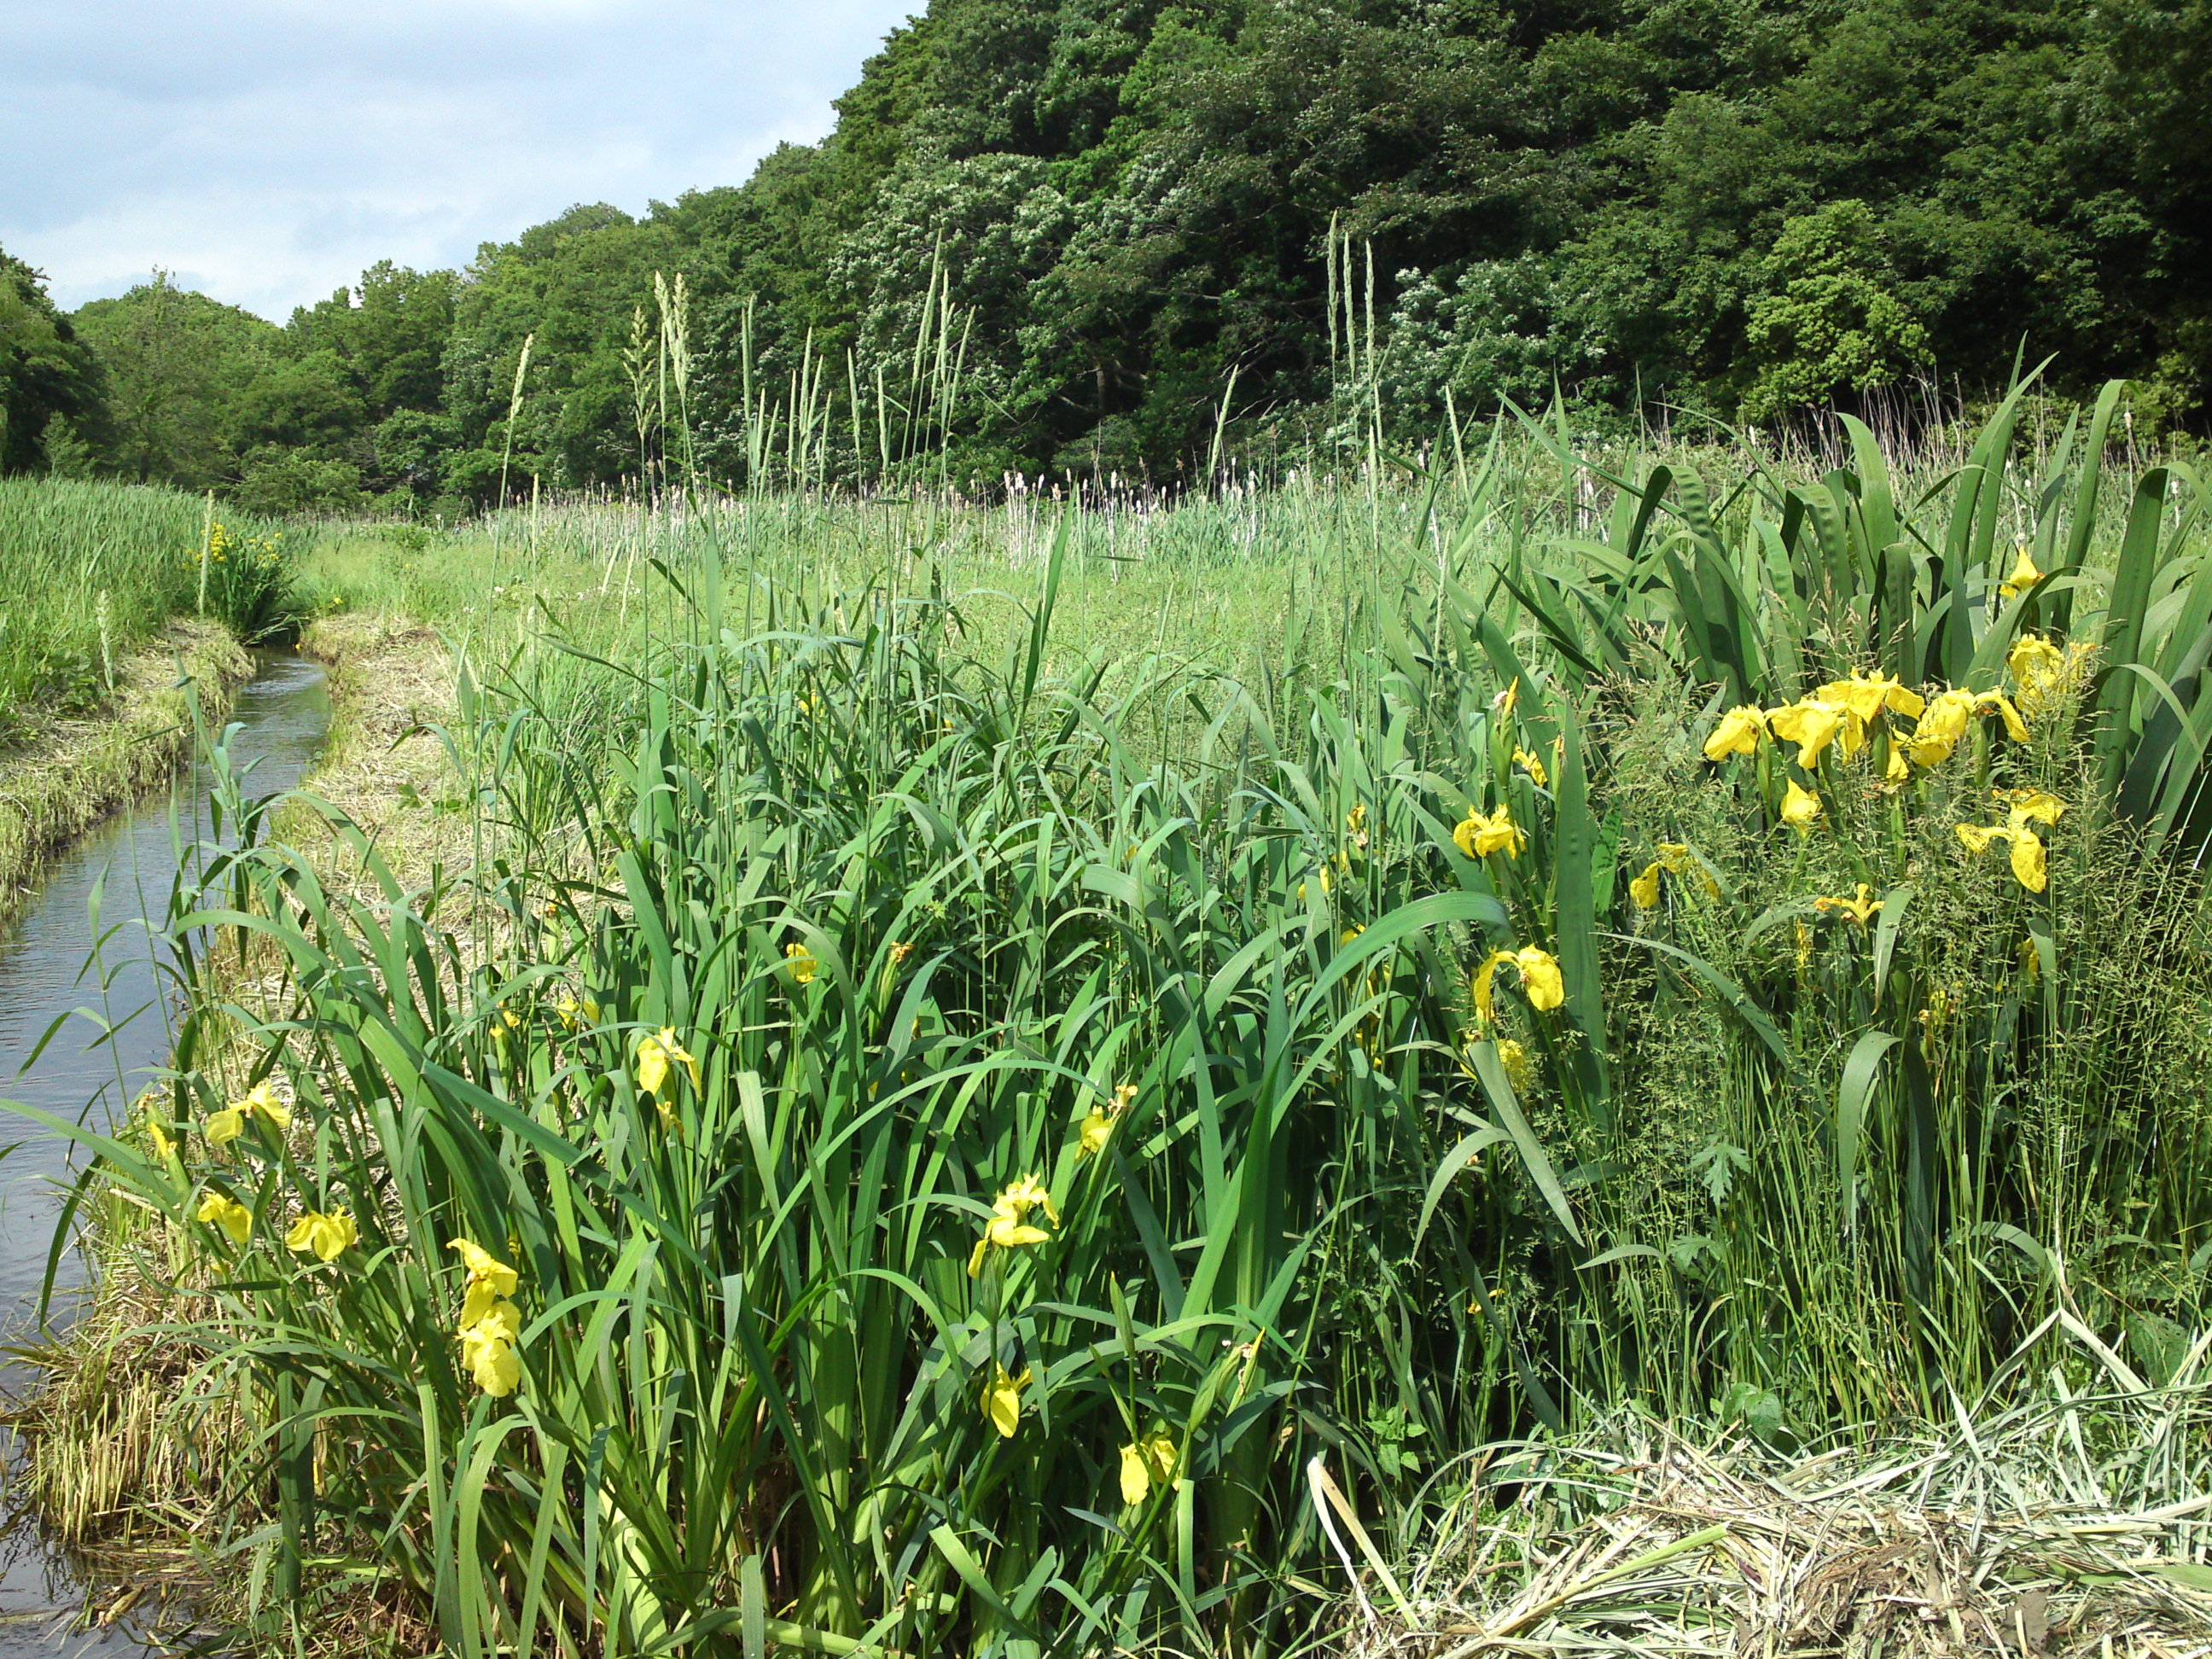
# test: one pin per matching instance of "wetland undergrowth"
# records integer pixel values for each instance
(978, 1065)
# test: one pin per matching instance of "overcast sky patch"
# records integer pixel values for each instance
(266, 151)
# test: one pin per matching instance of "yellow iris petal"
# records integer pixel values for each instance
(326, 1236)
(485, 1268)
(1145, 1463)
(224, 1127)
(227, 1213)
(1645, 889)
(2024, 576)
(1539, 978)
(262, 1098)
(1859, 909)
(1811, 725)
(1002, 1400)
(1737, 733)
(2033, 660)
(1801, 808)
(1136, 1476)
(1943, 723)
(801, 962)
(1483, 977)
(1482, 834)
(491, 1361)
(651, 1065)
(2002, 706)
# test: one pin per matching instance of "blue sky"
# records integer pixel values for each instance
(265, 151)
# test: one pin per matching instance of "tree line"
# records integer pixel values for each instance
(1117, 237)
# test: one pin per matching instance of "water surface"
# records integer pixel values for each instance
(83, 1017)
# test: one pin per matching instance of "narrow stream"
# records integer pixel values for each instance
(114, 1026)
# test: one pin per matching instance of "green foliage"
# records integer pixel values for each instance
(1398, 1141)
(89, 571)
(1830, 323)
(179, 367)
(1120, 212)
(50, 390)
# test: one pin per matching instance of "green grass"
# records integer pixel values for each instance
(961, 847)
(89, 571)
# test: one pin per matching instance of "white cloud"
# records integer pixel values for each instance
(267, 150)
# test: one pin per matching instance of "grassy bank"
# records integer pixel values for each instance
(118, 605)
(91, 573)
(63, 774)
(987, 1063)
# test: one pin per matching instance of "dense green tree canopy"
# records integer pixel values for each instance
(1055, 237)
(49, 379)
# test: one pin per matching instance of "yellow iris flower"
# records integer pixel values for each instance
(491, 1360)
(2024, 576)
(1947, 718)
(801, 962)
(1481, 835)
(156, 1131)
(1812, 724)
(1941, 725)
(1533, 766)
(489, 1325)
(2033, 807)
(1676, 859)
(1868, 695)
(1801, 808)
(1737, 733)
(2031, 862)
(2030, 865)
(327, 1236)
(2043, 672)
(1859, 909)
(1539, 978)
(1645, 889)
(490, 1281)
(1009, 1227)
(227, 1213)
(228, 1124)
(2032, 659)
(1098, 1122)
(1145, 1463)
(1002, 1400)
(654, 1056)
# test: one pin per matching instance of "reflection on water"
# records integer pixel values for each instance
(77, 1031)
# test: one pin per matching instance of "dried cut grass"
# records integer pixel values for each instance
(383, 765)
(2077, 1524)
